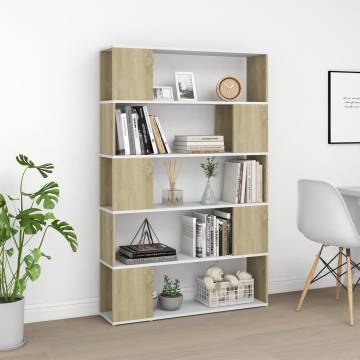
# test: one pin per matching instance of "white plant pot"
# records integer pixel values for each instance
(11, 325)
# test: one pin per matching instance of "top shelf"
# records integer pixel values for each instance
(176, 51)
(157, 102)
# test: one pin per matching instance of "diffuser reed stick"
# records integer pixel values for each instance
(173, 168)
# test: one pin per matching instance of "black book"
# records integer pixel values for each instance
(143, 129)
(133, 252)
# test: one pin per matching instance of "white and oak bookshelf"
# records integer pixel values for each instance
(129, 184)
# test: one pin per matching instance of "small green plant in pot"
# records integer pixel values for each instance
(25, 221)
(210, 170)
(171, 297)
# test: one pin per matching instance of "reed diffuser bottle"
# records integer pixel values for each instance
(172, 196)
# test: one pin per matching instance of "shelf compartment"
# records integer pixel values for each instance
(126, 74)
(182, 259)
(245, 128)
(188, 308)
(126, 184)
(185, 207)
(127, 293)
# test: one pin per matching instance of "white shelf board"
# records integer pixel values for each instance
(188, 308)
(157, 102)
(182, 259)
(185, 207)
(179, 155)
(206, 52)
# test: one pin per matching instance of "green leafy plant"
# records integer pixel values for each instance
(171, 288)
(210, 167)
(23, 231)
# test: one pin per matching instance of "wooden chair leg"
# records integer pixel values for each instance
(308, 281)
(338, 273)
(349, 288)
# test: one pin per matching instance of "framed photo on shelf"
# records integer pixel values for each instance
(163, 93)
(343, 107)
(185, 86)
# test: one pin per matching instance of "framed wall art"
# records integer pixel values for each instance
(344, 107)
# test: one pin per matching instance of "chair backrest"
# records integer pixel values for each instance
(323, 216)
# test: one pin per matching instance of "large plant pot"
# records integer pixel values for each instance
(11, 324)
(170, 303)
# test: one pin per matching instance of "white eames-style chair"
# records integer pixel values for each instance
(324, 218)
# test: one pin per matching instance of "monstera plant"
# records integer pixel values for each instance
(25, 222)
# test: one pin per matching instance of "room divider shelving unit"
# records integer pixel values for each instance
(129, 184)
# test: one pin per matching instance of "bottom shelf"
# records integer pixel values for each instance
(188, 308)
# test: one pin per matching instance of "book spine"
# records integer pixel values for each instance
(147, 254)
(131, 130)
(253, 180)
(120, 144)
(217, 235)
(248, 183)
(261, 183)
(167, 147)
(243, 182)
(199, 138)
(224, 238)
(149, 129)
(135, 121)
(221, 247)
(183, 151)
(208, 236)
(199, 143)
(198, 147)
(125, 133)
(157, 135)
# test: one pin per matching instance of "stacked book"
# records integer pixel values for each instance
(138, 132)
(192, 144)
(243, 182)
(136, 254)
(207, 234)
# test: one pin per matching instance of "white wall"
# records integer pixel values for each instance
(49, 91)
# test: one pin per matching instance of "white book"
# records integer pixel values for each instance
(253, 180)
(135, 128)
(199, 138)
(193, 147)
(122, 132)
(199, 143)
(167, 147)
(260, 183)
(200, 240)
(217, 248)
(248, 182)
(231, 182)
(130, 130)
(205, 219)
(243, 182)
(149, 129)
(188, 244)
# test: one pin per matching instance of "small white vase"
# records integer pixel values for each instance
(208, 197)
(12, 324)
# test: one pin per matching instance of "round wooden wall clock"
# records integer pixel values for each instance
(229, 88)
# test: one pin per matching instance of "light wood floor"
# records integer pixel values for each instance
(319, 331)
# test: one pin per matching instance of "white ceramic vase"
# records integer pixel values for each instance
(11, 324)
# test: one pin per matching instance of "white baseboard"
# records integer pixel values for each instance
(61, 310)
(89, 307)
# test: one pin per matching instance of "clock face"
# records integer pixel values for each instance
(229, 88)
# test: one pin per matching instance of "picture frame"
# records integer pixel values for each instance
(185, 86)
(163, 93)
(343, 107)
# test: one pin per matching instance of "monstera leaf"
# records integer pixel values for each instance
(67, 231)
(6, 230)
(48, 195)
(43, 169)
(31, 220)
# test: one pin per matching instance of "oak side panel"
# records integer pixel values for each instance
(132, 294)
(257, 78)
(224, 124)
(107, 129)
(263, 160)
(105, 182)
(105, 288)
(250, 128)
(132, 184)
(105, 75)
(132, 74)
(250, 230)
(107, 237)
(258, 268)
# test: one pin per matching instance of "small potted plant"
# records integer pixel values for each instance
(210, 170)
(170, 298)
(23, 229)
